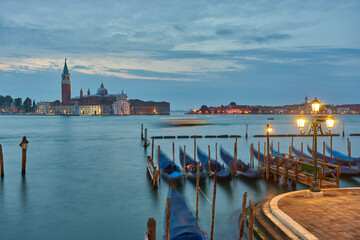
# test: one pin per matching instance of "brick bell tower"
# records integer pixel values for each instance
(65, 85)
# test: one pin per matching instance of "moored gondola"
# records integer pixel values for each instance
(190, 166)
(183, 225)
(169, 168)
(214, 166)
(344, 170)
(242, 169)
(337, 154)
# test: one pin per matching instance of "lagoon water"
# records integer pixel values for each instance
(86, 176)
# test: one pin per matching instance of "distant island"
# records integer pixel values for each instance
(302, 108)
(101, 103)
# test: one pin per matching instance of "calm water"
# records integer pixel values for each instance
(86, 176)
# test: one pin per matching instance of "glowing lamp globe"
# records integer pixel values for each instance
(315, 105)
(269, 129)
(300, 122)
(330, 122)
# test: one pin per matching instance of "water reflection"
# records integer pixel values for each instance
(23, 191)
(2, 180)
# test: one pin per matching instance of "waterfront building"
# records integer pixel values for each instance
(139, 107)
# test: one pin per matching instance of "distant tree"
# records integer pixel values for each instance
(233, 103)
(33, 106)
(27, 105)
(2, 100)
(18, 103)
(204, 108)
(8, 101)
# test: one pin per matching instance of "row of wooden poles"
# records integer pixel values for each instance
(146, 143)
(150, 234)
(24, 146)
(144, 135)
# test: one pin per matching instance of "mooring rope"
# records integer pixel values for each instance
(205, 196)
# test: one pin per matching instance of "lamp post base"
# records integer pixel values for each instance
(314, 194)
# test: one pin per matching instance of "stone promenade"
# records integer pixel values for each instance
(336, 215)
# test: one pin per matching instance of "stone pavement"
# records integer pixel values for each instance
(336, 215)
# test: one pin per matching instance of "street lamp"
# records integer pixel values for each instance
(268, 131)
(315, 127)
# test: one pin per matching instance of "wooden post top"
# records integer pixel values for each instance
(24, 143)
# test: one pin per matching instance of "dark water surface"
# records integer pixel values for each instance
(86, 176)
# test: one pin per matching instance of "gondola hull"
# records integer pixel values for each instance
(183, 225)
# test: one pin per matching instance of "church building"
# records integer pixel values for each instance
(100, 103)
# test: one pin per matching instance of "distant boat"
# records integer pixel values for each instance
(270, 118)
(215, 166)
(354, 161)
(191, 166)
(183, 225)
(185, 121)
(169, 168)
(241, 168)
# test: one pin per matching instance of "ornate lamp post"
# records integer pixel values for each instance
(315, 127)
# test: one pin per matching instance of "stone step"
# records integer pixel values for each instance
(267, 229)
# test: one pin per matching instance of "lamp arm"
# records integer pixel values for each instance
(321, 130)
(311, 127)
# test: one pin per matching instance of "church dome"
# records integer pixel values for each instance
(102, 90)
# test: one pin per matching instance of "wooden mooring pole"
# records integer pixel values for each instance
(213, 208)
(267, 153)
(324, 151)
(184, 160)
(251, 219)
(197, 188)
(209, 160)
(216, 151)
(24, 146)
(173, 145)
(234, 162)
(195, 148)
(252, 153)
(152, 148)
(302, 149)
(331, 146)
(151, 229)
(252, 165)
(343, 131)
(349, 151)
(259, 152)
(167, 222)
(242, 220)
(145, 140)
(1, 162)
(278, 147)
(142, 130)
(159, 160)
(246, 134)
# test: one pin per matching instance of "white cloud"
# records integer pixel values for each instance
(121, 65)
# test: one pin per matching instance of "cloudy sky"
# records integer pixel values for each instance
(184, 51)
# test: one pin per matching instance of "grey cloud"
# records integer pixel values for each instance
(264, 39)
(224, 32)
